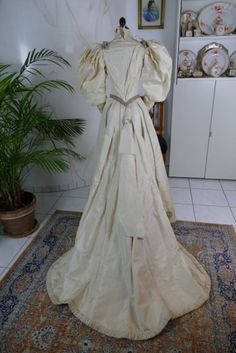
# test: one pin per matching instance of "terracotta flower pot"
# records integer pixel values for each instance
(21, 222)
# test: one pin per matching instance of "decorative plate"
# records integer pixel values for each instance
(233, 60)
(187, 60)
(215, 62)
(188, 16)
(212, 45)
(218, 16)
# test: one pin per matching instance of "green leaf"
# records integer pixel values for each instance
(31, 134)
(47, 55)
(3, 67)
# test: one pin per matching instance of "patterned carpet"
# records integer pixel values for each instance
(30, 323)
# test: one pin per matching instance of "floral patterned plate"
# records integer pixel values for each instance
(233, 60)
(187, 59)
(215, 62)
(188, 16)
(220, 14)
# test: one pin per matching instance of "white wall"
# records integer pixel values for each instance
(68, 26)
(166, 36)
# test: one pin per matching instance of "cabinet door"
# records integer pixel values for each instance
(191, 117)
(221, 161)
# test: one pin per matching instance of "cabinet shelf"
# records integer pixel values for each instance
(203, 112)
(206, 78)
(208, 38)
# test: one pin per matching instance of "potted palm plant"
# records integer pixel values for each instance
(30, 135)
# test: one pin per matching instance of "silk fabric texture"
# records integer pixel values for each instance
(127, 275)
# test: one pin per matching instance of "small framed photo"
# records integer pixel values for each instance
(151, 14)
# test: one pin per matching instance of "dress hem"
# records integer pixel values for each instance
(109, 332)
(101, 329)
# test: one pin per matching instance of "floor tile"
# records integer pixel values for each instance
(70, 204)
(231, 197)
(45, 202)
(213, 214)
(205, 184)
(9, 248)
(80, 192)
(228, 184)
(2, 270)
(181, 195)
(209, 197)
(178, 182)
(184, 212)
(40, 217)
(234, 212)
(56, 193)
(26, 244)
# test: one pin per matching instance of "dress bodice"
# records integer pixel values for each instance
(126, 62)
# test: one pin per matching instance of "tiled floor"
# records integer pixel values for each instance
(211, 201)
(204, 200)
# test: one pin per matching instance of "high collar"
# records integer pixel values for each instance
(123, 33)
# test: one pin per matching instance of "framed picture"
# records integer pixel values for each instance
(151, 14)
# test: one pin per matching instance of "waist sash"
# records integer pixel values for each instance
(121, 101)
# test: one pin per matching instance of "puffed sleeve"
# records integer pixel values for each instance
(156, 73)
(92, 75)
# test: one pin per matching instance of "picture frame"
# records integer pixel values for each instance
(151, 14)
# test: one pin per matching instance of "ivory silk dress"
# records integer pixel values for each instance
(127, 275)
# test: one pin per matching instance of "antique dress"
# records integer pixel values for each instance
(127, 275)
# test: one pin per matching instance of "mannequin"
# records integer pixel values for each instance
(122, 22)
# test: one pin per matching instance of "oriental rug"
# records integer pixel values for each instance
(30, 323)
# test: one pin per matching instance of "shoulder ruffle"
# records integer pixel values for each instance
(92, 74)
(156, 73)
(91, 55)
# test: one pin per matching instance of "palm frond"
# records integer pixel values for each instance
(45, 85)
(56, 84)
(71, 127)
(49, 161)
(47, 55)
(3, 68)
(64, 129)
(6, 81)
(6, 84)
(30, 134)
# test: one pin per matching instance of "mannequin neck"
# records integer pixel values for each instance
(123, 33)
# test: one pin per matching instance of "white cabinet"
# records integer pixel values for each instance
(221, 161)
(203, 127)
(190, 128)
